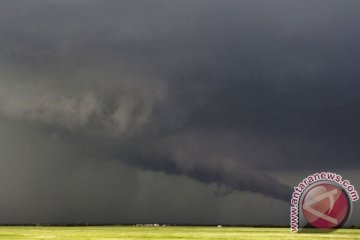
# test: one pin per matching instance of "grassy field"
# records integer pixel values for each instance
(112, 233)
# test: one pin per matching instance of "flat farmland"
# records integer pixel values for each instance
(168, 232)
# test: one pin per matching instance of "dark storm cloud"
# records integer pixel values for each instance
(221, 92)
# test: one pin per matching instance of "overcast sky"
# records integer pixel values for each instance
(194, 111)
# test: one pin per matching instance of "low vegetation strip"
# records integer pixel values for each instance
(143, 232)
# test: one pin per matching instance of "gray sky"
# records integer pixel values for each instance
(173, 111)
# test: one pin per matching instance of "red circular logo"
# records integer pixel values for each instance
(325, 206)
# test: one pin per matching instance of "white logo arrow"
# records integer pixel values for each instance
(330, 195)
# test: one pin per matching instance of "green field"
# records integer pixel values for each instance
(112, 233)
